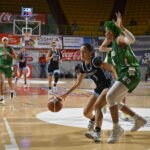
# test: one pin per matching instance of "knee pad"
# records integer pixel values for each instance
(110, 98)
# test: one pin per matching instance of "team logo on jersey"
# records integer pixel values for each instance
(126, 79)
(113, 54)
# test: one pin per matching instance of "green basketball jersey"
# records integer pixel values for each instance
(5, 60)
(126, 65)
(123, 57)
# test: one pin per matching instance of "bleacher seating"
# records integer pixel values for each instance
(88, 14)
(139, 11)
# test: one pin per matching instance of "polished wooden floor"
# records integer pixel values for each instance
(21, 130)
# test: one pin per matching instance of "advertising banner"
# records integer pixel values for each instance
(12, 40)
(44, 41)
(71, 54)
(72, 42)
(142, 56)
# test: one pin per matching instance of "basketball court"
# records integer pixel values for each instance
(27, 124)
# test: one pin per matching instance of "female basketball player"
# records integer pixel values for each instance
(127, 68)
(92, 67)
(22, 59)
(7, 54)
(53, 57)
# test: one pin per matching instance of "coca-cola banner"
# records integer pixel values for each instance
(71, 54)
(72, 42)
(12, 40)
(44, 41)
(10, 17)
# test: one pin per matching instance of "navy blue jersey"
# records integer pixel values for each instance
(22, 56)
(54, 62)
(94, 71)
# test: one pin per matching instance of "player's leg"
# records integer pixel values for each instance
(56, 78)
(2, 78)
(138, 120)
(99, 104)
(88, 111)
(9, 75)
(25, 77)
(114, 95)
(50, 77)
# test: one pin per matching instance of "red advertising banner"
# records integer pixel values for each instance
(71, 54)
(13, 40)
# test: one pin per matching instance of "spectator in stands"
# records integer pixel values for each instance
(133, 22)
(42, 62)
(74, 26)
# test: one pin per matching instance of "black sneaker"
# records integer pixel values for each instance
(2, 101)
(12, 95)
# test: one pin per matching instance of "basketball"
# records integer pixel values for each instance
(55, 105)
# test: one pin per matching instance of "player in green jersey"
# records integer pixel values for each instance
(7, 55)
(127, 68)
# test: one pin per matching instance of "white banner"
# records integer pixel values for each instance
(73, 42)
(44, 41)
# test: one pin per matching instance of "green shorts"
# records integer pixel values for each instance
(130, 81)
(7, 71)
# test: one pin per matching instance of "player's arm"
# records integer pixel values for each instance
(109, 67)
(49, 56)
(127, 38)
(76, 85)
(12, 54)
(104, 46)
(17, 58)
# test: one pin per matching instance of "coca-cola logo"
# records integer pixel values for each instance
(71, 55)
(7, 17)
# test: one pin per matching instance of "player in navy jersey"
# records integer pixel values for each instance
(22, 65)
(93, 67)
(53, 58)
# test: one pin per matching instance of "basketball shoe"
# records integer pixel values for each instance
(139, 122)
(50, 92)
(25, 86)
(2, 101)
(117, 132)
(91, 125)
(54, 89)
(96, 136)
(12, 94)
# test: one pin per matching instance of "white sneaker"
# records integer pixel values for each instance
(25, 86)
(91, 125)
(2, 101)
(93, 135)
(54, 89)
(50, 92)
(140, 122)
(116, 133)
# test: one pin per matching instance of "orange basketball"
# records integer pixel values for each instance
(55, 105)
